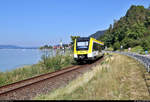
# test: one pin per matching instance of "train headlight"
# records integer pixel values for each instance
(75, 56)
(90, 55)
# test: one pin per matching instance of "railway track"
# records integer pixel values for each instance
(42, 84)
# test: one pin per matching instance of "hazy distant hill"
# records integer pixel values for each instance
(97, 34)
(15, 47)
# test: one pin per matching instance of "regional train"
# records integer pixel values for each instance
(87, 49)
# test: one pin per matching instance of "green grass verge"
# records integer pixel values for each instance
(137, 49)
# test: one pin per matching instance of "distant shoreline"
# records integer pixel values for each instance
(19, 48)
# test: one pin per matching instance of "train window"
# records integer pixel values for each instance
(96, 47)
(82, 45)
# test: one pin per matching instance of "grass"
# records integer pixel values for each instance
(118, 77)
(110, 49)
(136, 49)
(49, 64)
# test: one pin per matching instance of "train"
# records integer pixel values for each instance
(87, 49)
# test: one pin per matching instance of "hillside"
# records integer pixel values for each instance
(131, 30)
(98, 34)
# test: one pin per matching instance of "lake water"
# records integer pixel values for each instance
(15, 58)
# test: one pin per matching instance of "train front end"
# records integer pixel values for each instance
(82, 49)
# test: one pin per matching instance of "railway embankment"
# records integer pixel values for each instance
(118, 77)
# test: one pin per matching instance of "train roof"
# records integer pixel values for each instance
(88, 38)
(83, 39)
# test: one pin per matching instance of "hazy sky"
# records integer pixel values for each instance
(39, 22)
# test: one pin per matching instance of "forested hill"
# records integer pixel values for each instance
(131, 30)
(98, 34)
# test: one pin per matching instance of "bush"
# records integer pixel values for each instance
(53, 62)
(116, 46)
(2, 80)
(68, 59)
(146, 45)
(137, 49)
(143, 53)
(57, 61)
(110, 49)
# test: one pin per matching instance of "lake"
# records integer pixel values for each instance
(15, 58)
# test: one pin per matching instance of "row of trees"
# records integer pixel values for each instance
(46, 47)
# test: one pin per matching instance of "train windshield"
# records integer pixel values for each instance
(82, 45)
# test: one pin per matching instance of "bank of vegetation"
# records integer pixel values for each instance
(131, 30)
(48, 63)
(118, 77)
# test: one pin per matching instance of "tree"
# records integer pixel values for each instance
(129, 30)
(46, 47)
(116, 45)
(110, 28)
(146, 45)
(73, 39)
(149, 7)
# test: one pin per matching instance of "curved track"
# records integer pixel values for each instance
(29, 88)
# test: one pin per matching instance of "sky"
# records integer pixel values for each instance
(40, 22)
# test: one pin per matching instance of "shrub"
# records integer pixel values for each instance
(116, 46)
(53, 62)
(68, 59)
(2, 80)
(137, 49)
(110, 49)
(146, 45)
